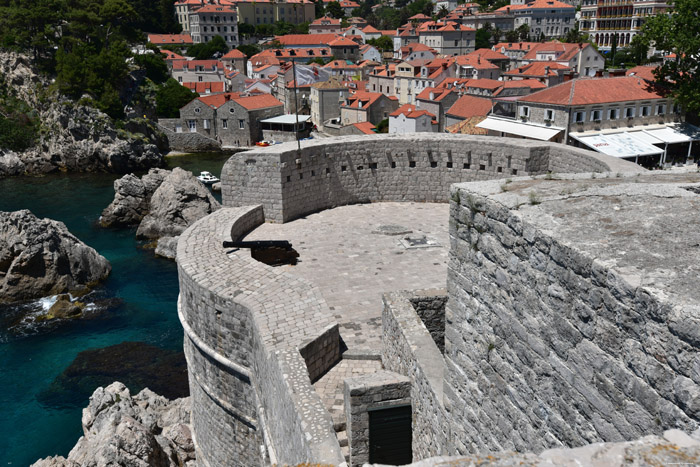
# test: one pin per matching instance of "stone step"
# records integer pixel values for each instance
(345, 451)
(339, 422)
(342, 438)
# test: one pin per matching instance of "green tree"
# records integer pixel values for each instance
(512, 36)
(154, 65)
(383, 43)
(383, 126)
(678, 32)
(245, 29)
(249, 49)
(335, 10)
(442, 12)
(171, 97)
(639, 48)
(523, 32)
(206, 50)
(483, 39)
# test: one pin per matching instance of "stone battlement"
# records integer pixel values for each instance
(419, 167)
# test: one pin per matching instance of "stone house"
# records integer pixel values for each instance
(234, 59)
(582, 58)
(366, 106)
(409, 119)
(474, 67)
(551, 18)
(437, 101)
(326, 98)
(325, 25)
(382, 80)
(370, 52)
(236, 81)
(228, 118)
(467, 107)
(411, 78)
(504, 21)
(343, 48)
(405, 35)
(194, 71)
(290, 11)
(549, 73)
(214, 20)
(415, 51)
(448, 38)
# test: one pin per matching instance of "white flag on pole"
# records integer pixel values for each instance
(309, 74)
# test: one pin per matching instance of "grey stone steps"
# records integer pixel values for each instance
(342, 438)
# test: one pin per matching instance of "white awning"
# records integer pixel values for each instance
(287, 119)
(646, 137)
(618, 145)
(681, 133)
(542, 133)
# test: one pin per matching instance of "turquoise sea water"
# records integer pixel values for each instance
(31, 358)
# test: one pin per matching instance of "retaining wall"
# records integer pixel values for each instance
(417, 167)
(244, 332)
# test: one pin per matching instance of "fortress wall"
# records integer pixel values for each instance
(409, 349)
(416, 167)
(548, 344)
(244, 330)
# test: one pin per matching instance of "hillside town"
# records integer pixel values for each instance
(544, 70)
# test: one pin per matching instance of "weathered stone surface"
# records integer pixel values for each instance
(40, 257)
(64, 308)
(75, 137)
(179, 201)
(167, 247)
(132, 198)
(118, 429)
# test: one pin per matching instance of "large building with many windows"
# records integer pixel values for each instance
(550, 18)
(213, 20)
(608, 21)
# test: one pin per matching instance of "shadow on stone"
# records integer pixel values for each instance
(137, 364)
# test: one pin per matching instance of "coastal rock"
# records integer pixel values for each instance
(74, 137)
(142, 430)
(132, 198)
(178, 202)
(40, 257)
(167, 247)
(64, 308)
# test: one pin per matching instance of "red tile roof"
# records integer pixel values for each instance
(234, 53)
(169, 39)
(215, 9)
(484, 83)
(217, 100)
(538, 69)
(306, 39)
(261, 101)
(524, 83)
(515, 46)
(539, 5)
(642, 71)
(202, 87)
(438, 94)
(366, 98)
(410, 111)
(365, 127)
(470, 106)
(564, 51)
(325, 21)
(435, 26)
(343, 42)
(594, 91)
(170, 55)
(369, 29)
(475, 61)
(488, 54)
(348, 4)
(192, 64)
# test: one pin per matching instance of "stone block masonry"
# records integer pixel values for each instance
(246, 327)
(573, 314)
(417, 167)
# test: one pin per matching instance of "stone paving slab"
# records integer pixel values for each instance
(352, 266)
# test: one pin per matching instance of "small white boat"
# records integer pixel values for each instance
(207, 178)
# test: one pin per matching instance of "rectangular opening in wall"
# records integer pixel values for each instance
(449, 165)
(433, 164)
(289, 178)
(390, 436)
(372, 165)
(499, 169)
(510, 160)
(313, 173)
(490, 160)
(466, 165)
(482, 167)
(343, 168)
(360, 167)
(515, 171)
(393, 165)
(328, 170)
(411, 163)
(301, 176)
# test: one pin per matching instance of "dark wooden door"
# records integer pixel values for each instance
(390, 436)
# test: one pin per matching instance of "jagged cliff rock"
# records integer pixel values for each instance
(177, 203)
(74, 137)
(40, 257)
(119, 429)
(132, 198)
(162, 203)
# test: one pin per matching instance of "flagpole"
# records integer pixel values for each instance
(296, 106)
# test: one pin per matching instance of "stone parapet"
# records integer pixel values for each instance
(416, 167)
(409, 349)
(573, 311)
(246, 326)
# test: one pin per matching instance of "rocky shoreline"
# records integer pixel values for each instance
(161, 203)
(40, 257)
(120, 429)
(74, 137)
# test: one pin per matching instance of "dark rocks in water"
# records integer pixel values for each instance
(145, 430)
(40, 257)
(163, 204)
(64, 308)
(136, 364)
(132, 198)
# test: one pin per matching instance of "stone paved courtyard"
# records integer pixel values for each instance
(348, 255)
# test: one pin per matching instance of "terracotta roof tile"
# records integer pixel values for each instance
(169, 39)
(470, 106)
(234, 53)
(410, 111)
(365, 127)
(594, 91)
(538, 69)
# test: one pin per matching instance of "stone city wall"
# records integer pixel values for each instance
(409, 349)
(244, 328)
(549, 345)
(430, 308)
(186, 141)
(416, 167)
